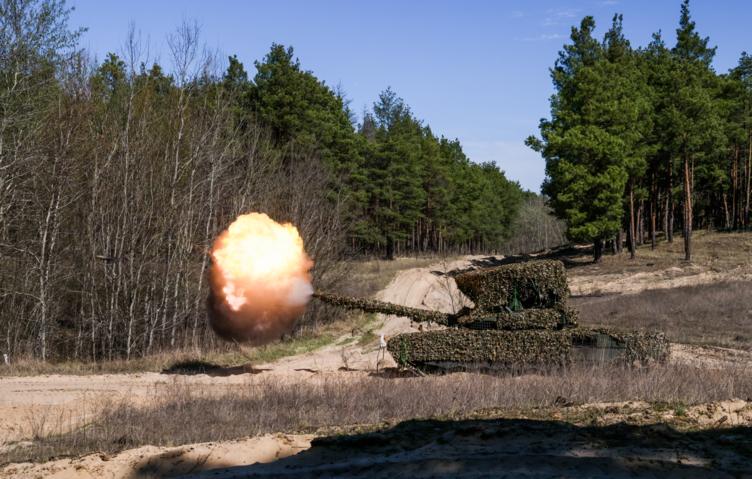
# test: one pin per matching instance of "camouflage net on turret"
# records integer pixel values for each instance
(528, 348)
(553, 318)
(537, 284)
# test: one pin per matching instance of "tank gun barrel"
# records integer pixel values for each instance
(376, 306)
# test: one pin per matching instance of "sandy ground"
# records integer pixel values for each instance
(150, 461)
(483, 450)
(617, 447)
(619, 440)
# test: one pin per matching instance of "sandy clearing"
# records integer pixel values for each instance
(712, 357)
(61, 396)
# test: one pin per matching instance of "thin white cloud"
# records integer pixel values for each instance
(542, 37)
(517, 14)
(559, 16)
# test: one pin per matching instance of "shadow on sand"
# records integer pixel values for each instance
(513, 448)
(193, 367)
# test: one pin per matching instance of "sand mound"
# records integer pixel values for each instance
(426, 288)
(150, 461)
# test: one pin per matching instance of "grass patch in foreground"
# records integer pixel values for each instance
(182, 414)
(304, 344)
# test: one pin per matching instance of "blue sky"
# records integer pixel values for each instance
(474, 70)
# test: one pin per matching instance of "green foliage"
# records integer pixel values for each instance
(594, 141)
(625, 123)
(422, 191)
(406, 189)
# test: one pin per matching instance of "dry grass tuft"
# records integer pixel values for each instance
(181, 415)
(718, 314)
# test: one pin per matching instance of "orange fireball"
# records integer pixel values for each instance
(260, 279)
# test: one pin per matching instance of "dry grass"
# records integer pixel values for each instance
(716, 251)
(182, 415)
(718, 314)
(228, 356)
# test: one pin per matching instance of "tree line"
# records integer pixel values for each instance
(646, 140)
(116, 176)
(406, 189)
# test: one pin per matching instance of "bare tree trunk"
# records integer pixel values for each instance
(687, 210)
(735, 187)
(653, 210)
(631, 224)
(598, 250)
(619, 240)
(748, 174)
(640, 222)
(670, 204)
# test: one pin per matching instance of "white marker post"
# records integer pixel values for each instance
(382, 350)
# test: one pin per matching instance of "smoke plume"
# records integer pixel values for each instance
(259, 280)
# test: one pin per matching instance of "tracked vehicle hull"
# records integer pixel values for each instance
(504, 350)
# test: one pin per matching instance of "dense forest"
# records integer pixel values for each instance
(116, 176)
(647, 140)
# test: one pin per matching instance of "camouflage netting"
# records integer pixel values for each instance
(504, 348)
(537, 284)
(552, 318)
(528, 348)
(521, 319)
(375, 306)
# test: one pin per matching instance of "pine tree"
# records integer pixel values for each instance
(395, 171)
(659, 65)
(695, 123)
(741, 109)
(594, 140)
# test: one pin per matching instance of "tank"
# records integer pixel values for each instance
(520, 319)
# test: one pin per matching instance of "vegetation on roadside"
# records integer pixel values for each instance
(179, 414)
(179, 361)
